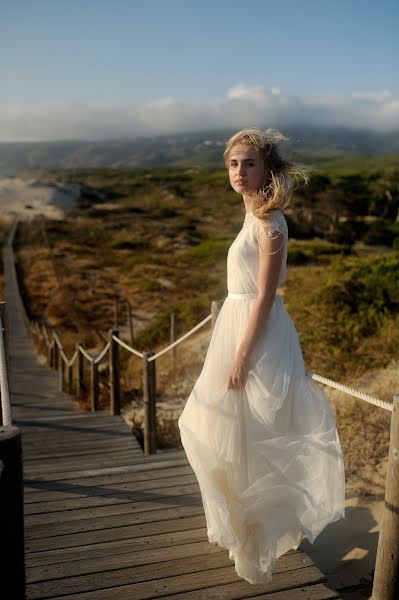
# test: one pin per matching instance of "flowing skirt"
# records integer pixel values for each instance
(267, 457)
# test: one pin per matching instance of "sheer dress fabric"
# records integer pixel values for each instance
(267, 457)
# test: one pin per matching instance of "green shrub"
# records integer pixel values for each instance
(360, 298)
(165, 212)
(209, 251)
(343, 233)
(379, 233)
(297, 257)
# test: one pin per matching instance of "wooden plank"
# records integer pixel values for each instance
(123, 457)
(140, 478)
(42, 501)
(134, 466)
(234, 592)
(202, 580)
(164, 555)
(35, 544)
(73, 418)
(72, 450)
(101, 447)
(115, 509)
(94, 523)
(183, 565)
(113, 547)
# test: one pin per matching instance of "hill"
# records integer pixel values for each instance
(202, 149)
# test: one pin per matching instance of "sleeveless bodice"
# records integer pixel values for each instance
(243, 254)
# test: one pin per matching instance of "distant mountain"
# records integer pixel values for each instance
(202, 149)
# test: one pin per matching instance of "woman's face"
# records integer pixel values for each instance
(246, 169)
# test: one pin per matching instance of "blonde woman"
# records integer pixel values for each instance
(258, 432)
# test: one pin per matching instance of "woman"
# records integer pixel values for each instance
(260, 434)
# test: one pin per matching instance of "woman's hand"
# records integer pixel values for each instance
(238, 373)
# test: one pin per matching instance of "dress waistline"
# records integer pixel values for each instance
(239, 296)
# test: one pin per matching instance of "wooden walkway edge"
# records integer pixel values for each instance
(105, 522)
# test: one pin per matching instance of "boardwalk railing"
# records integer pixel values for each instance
(386, 577)
(11, 481)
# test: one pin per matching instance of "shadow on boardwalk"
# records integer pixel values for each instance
(105, 522)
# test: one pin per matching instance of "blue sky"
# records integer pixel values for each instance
(88, 58)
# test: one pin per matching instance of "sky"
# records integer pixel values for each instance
(96, 69)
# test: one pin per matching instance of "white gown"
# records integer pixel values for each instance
(267, 457)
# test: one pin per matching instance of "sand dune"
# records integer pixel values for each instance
(27, 198)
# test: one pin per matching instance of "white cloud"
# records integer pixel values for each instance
(243, 106)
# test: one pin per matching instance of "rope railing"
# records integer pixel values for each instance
(85, 354)
(181, 339)
(350, 391)
(42, 332)
(127, 347)
(168, 348)
(102, 354)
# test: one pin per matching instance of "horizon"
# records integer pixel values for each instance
(227, 131)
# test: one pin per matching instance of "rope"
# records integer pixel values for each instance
(5, 396)
(61, 349)
(39, 331)
(186, 335)
(121, 343)
(350, 391)
(72, 359)
(46, 338)
(99, 357)
(57, 340)
(83, 351)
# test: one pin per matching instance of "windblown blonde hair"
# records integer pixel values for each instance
(280, 175)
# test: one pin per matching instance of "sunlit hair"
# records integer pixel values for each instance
(281, 175)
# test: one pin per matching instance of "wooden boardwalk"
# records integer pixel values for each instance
(105, 522)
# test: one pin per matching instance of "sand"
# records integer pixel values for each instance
(29, 197)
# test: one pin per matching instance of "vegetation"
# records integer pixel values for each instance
(159, 239)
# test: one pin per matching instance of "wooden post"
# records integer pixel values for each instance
(386, 574)
(149, 398)
(60, 372)
(56, 356)
(69, 369)
(130, 319)
(12, 512)
(116, 313)
(114, 373)
(94, 386)
(172, 339)
(216, 306)
(79, 371)
(49, 353)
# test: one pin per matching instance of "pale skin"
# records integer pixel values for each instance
(246, 172)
